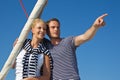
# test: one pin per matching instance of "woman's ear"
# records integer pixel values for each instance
(32, 30)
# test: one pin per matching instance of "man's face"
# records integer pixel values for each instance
(54, 29)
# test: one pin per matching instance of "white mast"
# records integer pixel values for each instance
(36, 12)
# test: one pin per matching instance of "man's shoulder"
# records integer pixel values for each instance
(68, 38)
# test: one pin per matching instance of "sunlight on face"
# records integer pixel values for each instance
(39, 29)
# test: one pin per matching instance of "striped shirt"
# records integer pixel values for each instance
(64, 60)
(19, 65)
(30, 60)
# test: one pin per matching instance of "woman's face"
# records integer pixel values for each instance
(39, 30)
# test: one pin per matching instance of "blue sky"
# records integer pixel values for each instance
(98, 59)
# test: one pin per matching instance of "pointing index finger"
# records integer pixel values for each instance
(104, 15)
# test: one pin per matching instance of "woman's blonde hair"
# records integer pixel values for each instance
(35, 21)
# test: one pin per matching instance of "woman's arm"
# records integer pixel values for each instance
(46, 68)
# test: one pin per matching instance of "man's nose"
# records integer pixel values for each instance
(56, 28)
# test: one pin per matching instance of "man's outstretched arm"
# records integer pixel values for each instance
(89, 34)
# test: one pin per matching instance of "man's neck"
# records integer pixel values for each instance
(55, 41)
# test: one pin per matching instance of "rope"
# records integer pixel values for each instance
(21, 3)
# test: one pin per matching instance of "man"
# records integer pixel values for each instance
(63, 49)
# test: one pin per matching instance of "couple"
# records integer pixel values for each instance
(41, 59)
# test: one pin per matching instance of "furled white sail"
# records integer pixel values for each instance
(36, 12)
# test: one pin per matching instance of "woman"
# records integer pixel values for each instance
(34, 56)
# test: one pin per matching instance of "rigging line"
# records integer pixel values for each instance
(21, 3)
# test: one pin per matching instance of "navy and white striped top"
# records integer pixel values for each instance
(64, 60)
(30, 60)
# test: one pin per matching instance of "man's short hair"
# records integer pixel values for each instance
(53, 19)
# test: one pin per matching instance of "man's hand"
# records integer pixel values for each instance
(31, 79)
(15, 42)
(100, 21)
